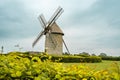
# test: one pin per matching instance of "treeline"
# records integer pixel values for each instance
(111, 58)
(104, 56)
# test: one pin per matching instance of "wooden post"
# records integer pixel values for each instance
(2, 49)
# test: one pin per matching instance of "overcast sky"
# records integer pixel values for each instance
(89, 25)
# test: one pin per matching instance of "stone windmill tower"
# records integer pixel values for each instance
(53, 34)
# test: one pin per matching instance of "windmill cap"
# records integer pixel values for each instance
(55, 29)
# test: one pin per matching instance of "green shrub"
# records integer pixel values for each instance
(76, 59)
(15, 67)
(112, 58)
(64, 58)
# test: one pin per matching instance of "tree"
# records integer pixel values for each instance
(84, 54)
(93, 55)
(103, 55)
(66, 53)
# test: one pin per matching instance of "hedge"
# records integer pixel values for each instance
(64, 59)
(76, 59)
(111, 58)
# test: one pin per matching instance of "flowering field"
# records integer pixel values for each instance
(18, 67)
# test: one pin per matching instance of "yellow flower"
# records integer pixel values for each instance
(13, 75)
(11, 64)
(18, 73)
(28, 72)
(84, 79)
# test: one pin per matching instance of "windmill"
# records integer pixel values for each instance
(53, 34)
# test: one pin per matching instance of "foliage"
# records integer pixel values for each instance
(76, 59)
(103, 55)
(17, 67)
(66, 53)
(112, 58)
(64, 58)
(83, 54)
(93, 55)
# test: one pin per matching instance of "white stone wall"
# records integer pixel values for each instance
(54, 44)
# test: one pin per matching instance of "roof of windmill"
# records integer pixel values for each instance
(56, 29)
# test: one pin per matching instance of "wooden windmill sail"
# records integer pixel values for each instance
(54, 35)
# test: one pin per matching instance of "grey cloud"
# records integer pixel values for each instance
(108, 10)
(100, 24)
(15, 21)
(97, 26)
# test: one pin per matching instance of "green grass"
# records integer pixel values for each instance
(98, 66)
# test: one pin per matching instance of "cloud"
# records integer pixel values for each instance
(89, 25)
(15, 21)
(96, 29)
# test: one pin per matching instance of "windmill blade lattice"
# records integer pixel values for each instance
(55, 16)
(66, 46)
(38, 38)
(42, 20)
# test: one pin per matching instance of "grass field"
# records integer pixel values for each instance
(98, 66)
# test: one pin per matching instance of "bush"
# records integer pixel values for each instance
(64, 58)
(111, 58)
(76, 59)
(15, 67)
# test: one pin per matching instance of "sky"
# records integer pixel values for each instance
(91, 26)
